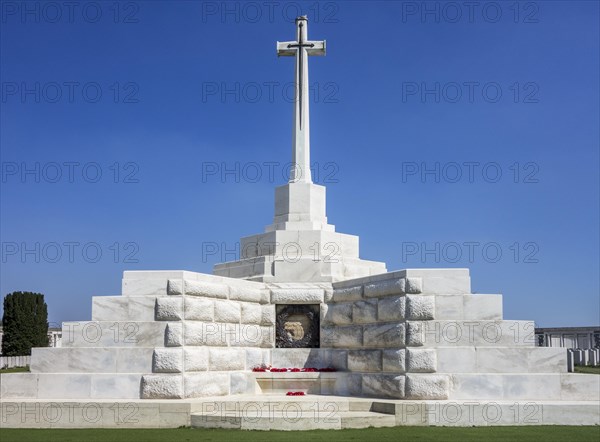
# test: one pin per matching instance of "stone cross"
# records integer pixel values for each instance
(301, 49)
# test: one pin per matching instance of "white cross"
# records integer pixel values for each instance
(301, 49)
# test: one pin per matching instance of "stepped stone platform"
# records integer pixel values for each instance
(412, 347)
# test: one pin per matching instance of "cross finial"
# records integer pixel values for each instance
(301, 48)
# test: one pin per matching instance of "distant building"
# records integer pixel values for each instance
(54, 337)
(568, 337)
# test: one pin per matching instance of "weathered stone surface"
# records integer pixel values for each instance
(244, 294)
(364, 360)
(228, 311)
(199, 309)
(414, 334)
(420, 307)
(383, 385)
(224, 359)
(174, 335)
(202, 333)
(328, 295)
(391, 308)
(394, 360)
(297, 296)
(339, 314)
(169, 309)
(384, 288)
(167, 360)
(175, 287)
(256, 357)
(341, 337)
(195, 358)
(348, 294)
(421, 360)
(246, 335)
(206, 384)
(364, 311)
(414, 285)
(251, 313)
(242, 383)
(162, 387)
(427, 386)
(384, 335)
(207, 289)
(268, 315)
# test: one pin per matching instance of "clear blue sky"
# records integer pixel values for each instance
(166, 65)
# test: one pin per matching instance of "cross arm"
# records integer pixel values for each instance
(283, 50)
(288, 48)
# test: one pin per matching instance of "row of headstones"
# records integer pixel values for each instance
(590, 356)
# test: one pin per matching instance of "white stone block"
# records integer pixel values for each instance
(203, 333)
(206, 384)
(256, 357)
(228, 311)
(384, 288)
(420, 307)
(167, 360)
(391, 308)
(448, 307)
(364, 312)
(242, 383)
(297, 296)
(199, 309)
(348, 294)
(268, 315)
(394, 360)
(427, 386)
(225, 359)
(144, 287)
(482, 307)
(174, 335)
(169, 309)
(196, 358)
(364, 360)
(339, 314)
(383, 385)
(251, 313)
(162, 387)
(457, 359)
(342, 337)
(206, 289)
(111, 386)
(421, 360)
(175, 287)
(384, 335)
(244, 294)
(414, 285)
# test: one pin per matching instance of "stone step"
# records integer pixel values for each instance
(465, 333)
(70, 386)
(92, 360)
(294, 419)
(113, 334)
(501, 359)
(266, 403)
(469, 413)
(524, 386)
(123, 308)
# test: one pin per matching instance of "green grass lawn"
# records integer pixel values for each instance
(541, 434)
(14, 370)
(587, 370)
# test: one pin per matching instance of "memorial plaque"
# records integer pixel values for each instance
(297, 326)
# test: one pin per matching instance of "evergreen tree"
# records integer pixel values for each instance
(24, 323)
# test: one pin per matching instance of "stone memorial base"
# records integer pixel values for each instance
(413, 347)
